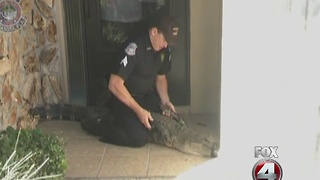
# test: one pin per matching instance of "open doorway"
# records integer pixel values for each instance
(202, 82)
(91, 48)
(103, 30)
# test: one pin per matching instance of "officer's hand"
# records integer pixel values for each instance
(145, 117)
(168, 107)
(171, 106)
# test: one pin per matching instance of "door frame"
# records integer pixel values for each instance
(77, 90)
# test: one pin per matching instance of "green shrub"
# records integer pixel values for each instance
(41, 150)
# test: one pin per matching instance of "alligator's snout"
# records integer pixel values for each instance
(214, 150)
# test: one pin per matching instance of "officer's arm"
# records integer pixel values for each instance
(116, 86)
(162, 89)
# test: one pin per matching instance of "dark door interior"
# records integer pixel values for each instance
(105, 25)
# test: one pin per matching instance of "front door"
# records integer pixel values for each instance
(107, 23)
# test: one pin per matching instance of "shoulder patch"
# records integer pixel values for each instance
(124, 61)
(131, 49)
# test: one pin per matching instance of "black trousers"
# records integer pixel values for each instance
(127, 129)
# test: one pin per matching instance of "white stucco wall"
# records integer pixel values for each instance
(205, 55)
(270, 88)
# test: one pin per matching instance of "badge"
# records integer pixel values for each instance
(11, 18)
(175, 31)
(131, 49)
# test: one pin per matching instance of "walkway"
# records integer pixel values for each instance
(88, 158)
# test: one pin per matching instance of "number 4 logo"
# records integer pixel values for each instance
(267, 169)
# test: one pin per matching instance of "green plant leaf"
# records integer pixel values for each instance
(42, 145)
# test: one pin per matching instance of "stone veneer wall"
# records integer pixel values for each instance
(30, 69)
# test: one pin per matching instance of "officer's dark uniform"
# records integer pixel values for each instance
(138, 65)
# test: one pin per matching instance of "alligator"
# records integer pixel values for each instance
(170, 131)
(173, 132)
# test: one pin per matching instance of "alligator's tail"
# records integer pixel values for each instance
(93, 119)
(71, 112)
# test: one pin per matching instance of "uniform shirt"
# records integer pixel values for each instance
(138, 65)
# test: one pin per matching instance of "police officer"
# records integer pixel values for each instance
(138, 82)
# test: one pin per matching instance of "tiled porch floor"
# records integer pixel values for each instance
(88, 158)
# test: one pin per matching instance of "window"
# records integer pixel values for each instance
(122, 18)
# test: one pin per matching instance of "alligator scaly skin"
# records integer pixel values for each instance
(171, 132)
(71, 112)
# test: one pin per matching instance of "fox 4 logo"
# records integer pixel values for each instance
(266, 168)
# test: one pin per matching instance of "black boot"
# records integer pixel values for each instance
(95, 124)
